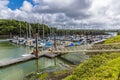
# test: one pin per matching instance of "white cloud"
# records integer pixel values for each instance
(72, 8)
(3, 3)
(4, 11)
(100, 13)
(58, 3)
(27, 6)
(105, 12)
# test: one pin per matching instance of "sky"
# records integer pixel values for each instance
(73, 14)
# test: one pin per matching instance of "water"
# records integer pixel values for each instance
(10, 51)
(18, 71)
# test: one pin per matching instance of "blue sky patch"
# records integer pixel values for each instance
(16, 4)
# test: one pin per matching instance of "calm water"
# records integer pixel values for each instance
(18, 71)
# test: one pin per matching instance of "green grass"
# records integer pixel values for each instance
(115, 39)
(110, 71)
(43, 76)
(90, 69)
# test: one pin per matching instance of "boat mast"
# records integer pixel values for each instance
(29, 30)
(20, 29)
(54, 34)
(38, 27)
(43, 26)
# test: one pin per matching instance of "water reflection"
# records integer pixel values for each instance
(37, 65)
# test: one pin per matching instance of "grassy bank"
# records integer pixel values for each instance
(104, 66)
(115, 39)
(88, 69)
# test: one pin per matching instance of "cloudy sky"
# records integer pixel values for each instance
(99, 14)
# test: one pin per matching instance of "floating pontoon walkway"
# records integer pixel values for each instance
(24, 58)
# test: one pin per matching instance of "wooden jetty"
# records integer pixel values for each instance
(25, 58)
(17, 60)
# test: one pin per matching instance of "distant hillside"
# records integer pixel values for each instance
(8, 27)
(13, 27)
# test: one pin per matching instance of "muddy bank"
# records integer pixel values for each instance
(55, 75)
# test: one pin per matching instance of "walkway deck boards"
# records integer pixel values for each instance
(25, 58)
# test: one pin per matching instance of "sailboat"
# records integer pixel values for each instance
(18, 39)
(21, 40)
(29, 42)
(41, 43)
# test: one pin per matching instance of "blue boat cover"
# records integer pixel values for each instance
(71, 44)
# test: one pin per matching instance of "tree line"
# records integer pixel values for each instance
(15, 27)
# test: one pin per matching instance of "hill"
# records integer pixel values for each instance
(13, 27)
(8, 27)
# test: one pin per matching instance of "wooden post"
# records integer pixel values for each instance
(55, 47)
(36, 45)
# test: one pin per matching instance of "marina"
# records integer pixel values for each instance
(49, 53)
(59, 40)
(55, 53)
